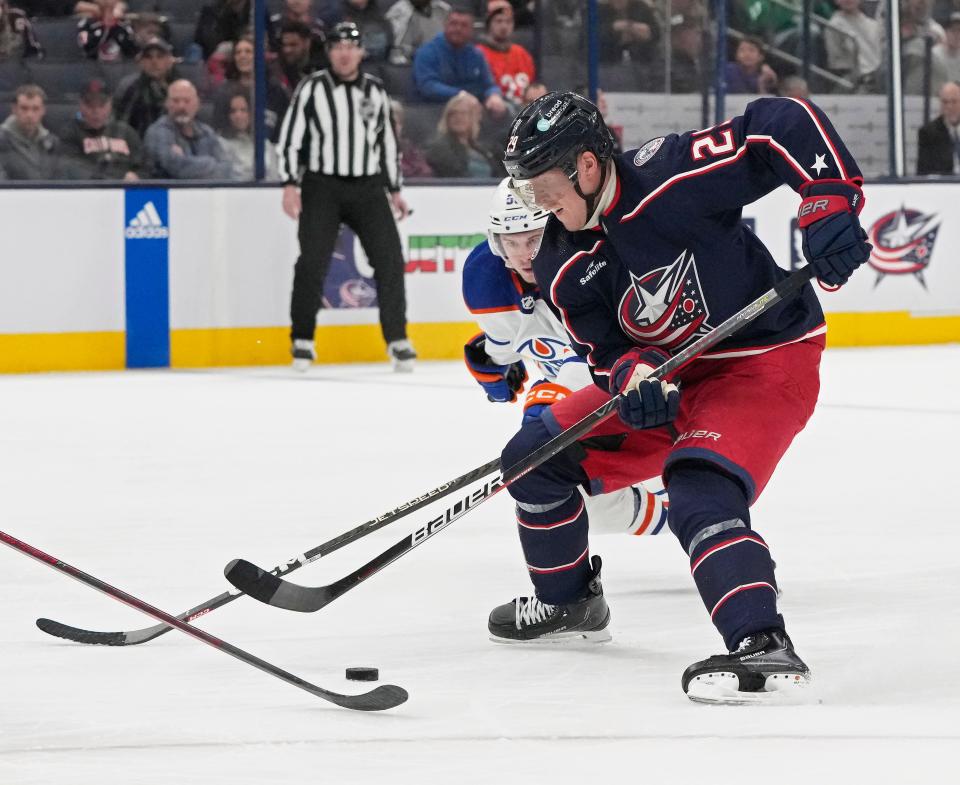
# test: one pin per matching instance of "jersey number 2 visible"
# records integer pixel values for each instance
(707, 145)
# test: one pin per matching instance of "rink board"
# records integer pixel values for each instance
(102, 279)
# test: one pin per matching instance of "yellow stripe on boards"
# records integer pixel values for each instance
(362, 343)
(102, 351)
(892, 328)
(30, 353)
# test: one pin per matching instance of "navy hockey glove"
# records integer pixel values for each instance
(500, 382)
(834, 243)
(542, 394)
(646, 402)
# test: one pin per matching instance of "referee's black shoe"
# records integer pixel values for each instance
(303, 354)
(402, 355)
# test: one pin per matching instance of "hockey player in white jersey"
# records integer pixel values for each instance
(519, 331)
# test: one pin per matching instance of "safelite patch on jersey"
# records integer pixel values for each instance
(647, 152)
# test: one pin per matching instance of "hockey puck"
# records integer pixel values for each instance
(363, 674)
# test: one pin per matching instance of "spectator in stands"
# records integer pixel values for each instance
(414, 23)
(105, 35)
(180, 146)
(533, 91)
(794, 87)
(916, 33)
(239, 71)
(376, 30)
(511, 65)
(457, 151)
(148, 25)
(297, 57)
(938, 148)
(236, 138)
(17, 38)
(949, 51)
(450, 63)
(28, 151)
(749, 73)
(222, 20)
(413, 163)
(298, 11)
(766, 18)
(688, 71)
(920, 13)
(853, 42)
(141, 97)
(98, 148)
(628, 31)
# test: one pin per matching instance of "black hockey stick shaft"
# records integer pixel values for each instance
(134, 637)
(272, 590)
(789, 286)
(385, 696)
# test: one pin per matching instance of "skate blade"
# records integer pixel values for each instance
(720, 689)
(403, 366)
(302, 366)
(560, 639)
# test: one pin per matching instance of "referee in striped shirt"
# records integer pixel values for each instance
(339, 158)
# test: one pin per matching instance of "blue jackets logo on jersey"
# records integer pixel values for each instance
(647, 152)
(666, 306)
(903, 243)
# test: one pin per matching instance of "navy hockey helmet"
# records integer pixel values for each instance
(344, 31)
(551, 132)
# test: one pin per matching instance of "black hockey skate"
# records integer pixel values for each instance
(763, 669)
(527, 620)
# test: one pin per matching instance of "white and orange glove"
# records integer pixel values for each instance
(542, 394)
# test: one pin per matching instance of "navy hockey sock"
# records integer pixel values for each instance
(730, 562)
(554, 540)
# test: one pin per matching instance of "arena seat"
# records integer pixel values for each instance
(398, 79)
(181, 36)
(58, 37)
(63, 79)
(58, 115)
(114, 73)
(181, 10)
(12, 75)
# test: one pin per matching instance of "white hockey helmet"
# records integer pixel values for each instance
(508, 215)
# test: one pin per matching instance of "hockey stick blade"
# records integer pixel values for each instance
(270, 589)
(130, 637)
(386, 696)
(134, 637)
(291, 596)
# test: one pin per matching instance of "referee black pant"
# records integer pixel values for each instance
(360, 203)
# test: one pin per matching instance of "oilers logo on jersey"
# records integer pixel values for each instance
(549, 353)
(665, 307)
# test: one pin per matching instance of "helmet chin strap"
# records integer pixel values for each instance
(591, 200)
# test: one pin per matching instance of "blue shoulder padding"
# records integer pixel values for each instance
(487, 283)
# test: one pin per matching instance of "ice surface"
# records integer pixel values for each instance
(153, 481)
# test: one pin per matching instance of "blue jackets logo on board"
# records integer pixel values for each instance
(903, 243)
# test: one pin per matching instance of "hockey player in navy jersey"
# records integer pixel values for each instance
(645, 252)
(519, 331)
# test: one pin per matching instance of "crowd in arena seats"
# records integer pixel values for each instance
(86, 82)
